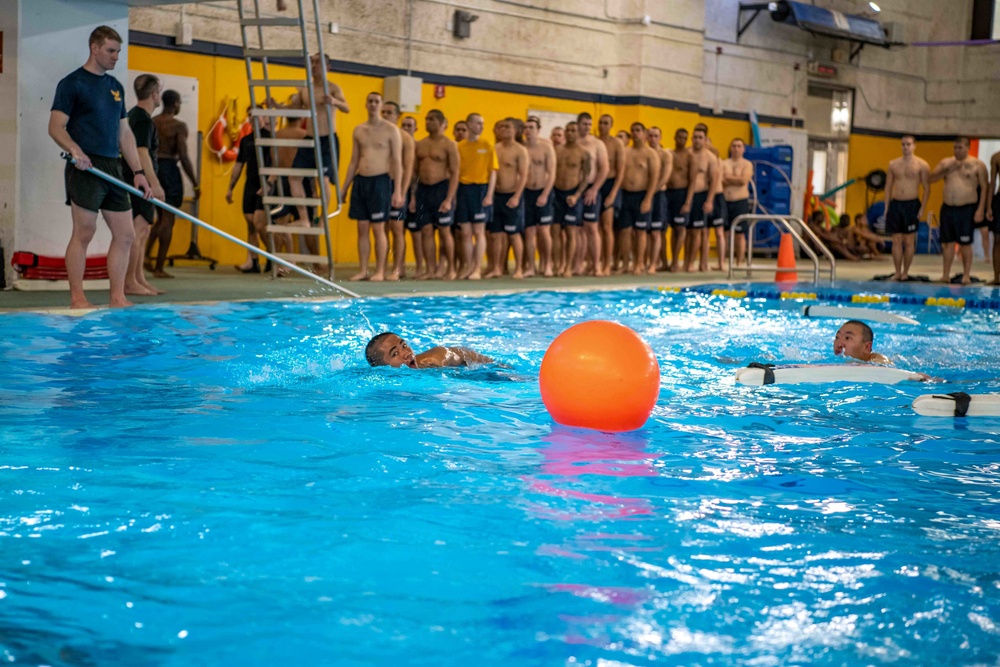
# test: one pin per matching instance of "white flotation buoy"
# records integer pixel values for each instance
(855, 313)
(957, 404)
(761, 374)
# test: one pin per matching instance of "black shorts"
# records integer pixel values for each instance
(469, 203)
(169, 173)
(93, 193)
(958, 223)
(609, 185)
(902, 217)
(696, 218)
(252, 202)
(371, 198)
(305, 158)
(735, 209)
(535, 215)
(144, 208)
(996, 215)
(718, 216)
(659, 212)
(429, 200)
(631, 214)
(592, 213)
(675, 202)
(401, 213)
(506, 219)
(566, 215)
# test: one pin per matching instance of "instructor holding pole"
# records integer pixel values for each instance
(89, 122)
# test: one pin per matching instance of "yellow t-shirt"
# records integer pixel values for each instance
(476, 159)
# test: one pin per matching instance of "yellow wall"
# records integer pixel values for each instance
(866, 153)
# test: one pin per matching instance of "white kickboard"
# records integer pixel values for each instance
(855, 313)
(941, 405)
(820, 373)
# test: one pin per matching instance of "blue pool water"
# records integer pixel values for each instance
(232, 485)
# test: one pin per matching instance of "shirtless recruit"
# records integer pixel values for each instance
(572, 167)
(437, 183)
(660, 223)
(538, 208)
(905, 206)
(677, 188)
(963, 207)
(375, 172)
(592, 195)
(641, 180)
(508, 208)
(736, 174)
(699, 204)
(611, 190)
(397, 215)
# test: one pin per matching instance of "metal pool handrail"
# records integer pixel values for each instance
(785, 222)
(215, 230)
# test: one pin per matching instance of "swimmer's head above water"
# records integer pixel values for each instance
(855, 339)
(388, 349)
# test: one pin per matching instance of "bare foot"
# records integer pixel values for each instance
(548, 272)
(652, 270)
(425, 276)
(702, 268)
(529, 273)
(518, 275)
(120, 303)
(451, 275)
(966, 280)
(377, 277)
(492, 274)
(617, 271)
(161, 274)
(476, 275)
(80, 305)
(995, 282)
(674, 268)
(393, 277)
(361, 275)
(944, 279)
(567, 274)
(139, 290)
(637, 271)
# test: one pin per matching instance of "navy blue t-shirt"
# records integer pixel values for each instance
(95, 106)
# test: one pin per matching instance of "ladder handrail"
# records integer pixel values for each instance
(785, 222)
(215, 230)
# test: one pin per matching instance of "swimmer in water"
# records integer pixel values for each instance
(854, 339)
(388, 349)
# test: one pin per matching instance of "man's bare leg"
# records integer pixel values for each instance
(984, 234)
(430, 252)
(165, 228)
(909, 249)
(364, 251)
(381, 251)
(84, 228)
(623, 251)
(251, 239)
(656, 242)
(446, 272)
(518, 245)
(297, 188)
(996, 255)
(479, 249)
(135, 279)
(594, 234)
(607, 234)
(466, 244)
(677, 241)
(530, 247)
(706, 237)
(722, 245)
(966, 252)
(122, 236)
(947, 257)
(398, 249)
(417, 241)
(897, 256)
(545, 249)
(557, 237)
(740, 248)
(493, 269)
(639, 243)
(570, 250)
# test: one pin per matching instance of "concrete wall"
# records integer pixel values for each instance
(9, 12)
(53, 42)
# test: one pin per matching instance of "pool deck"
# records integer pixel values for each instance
(195, 283)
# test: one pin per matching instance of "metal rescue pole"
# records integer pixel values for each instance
(201, 223)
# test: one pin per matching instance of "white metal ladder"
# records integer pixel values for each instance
(794, 226)
(252, 20)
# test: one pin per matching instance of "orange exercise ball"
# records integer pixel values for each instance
(600, 375)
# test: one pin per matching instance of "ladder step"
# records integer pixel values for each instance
(281, 113)
(295, 201)
(293, 22)
(296, 257)
(279, 83)
(289, 143)
(288, 171)
(291, 229)
(275, 53)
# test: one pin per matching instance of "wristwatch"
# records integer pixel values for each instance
(139, 171)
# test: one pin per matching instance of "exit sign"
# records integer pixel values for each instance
(822, 70)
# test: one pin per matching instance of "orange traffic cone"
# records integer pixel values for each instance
(786, 260)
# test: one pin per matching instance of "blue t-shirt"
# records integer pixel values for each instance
(95, 106)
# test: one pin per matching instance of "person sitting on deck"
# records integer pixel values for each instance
(854, 339)
(388, 349)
